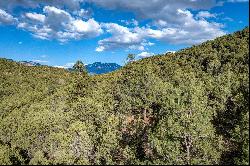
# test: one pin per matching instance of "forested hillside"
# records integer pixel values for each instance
(188, 107)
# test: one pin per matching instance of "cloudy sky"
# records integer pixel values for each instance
(59, 32)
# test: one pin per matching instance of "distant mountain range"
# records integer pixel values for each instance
(30, 63)
(102, 68)
(95, 68)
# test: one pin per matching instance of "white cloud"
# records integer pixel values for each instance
(170, 21)
(40, 61)
(192, 31)
(169, 51)
(90, 26)
(132, 22)
(137, 47)
(60, 25)
(205, 14)
(122, 37)
(145, 54)
(141, 8)
(147, 44)
(66, 66)
(83, 13)
(61, 67)
(56, 18)
(100, 49)
(175, 24)
(160, 23)
(11, 4)
(35, 17)
(164, 10)
(6, 18)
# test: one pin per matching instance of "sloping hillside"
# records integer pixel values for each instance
(189, 107)
(21, 84)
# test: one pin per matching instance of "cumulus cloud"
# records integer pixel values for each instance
(58, 24)
(11, 4)
(173, 21)
(170, 21)
(192, 31)
(156, 10)
(35, 17)
(6, 18)
(122, 37)
(160, 23)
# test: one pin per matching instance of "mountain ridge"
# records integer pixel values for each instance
(93, 69)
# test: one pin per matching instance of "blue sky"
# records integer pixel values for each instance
(59, 32)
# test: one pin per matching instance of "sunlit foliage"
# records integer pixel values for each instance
(188, 107)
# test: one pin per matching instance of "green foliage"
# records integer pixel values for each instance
(79, 67)
(188, 107)
(130, 58)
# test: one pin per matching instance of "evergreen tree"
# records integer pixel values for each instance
(80, 68)
(130, 58)
(191, 107)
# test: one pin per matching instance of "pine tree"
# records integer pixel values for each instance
(80, 68)
(130, 58)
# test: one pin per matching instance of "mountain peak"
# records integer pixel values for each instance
(30, 63)
(102, 68)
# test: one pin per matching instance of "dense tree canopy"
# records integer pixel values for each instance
(188, 107)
